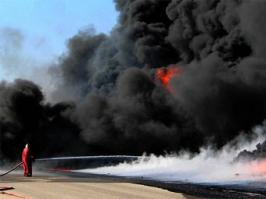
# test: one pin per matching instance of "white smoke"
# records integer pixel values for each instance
(208, 166)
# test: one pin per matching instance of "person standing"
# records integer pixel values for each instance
(27, 161)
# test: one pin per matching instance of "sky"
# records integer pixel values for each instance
(34, 32)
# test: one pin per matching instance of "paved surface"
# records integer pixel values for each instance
(57, 187)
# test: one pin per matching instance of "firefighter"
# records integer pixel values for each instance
(27, 161)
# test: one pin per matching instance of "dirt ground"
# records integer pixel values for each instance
(62, 187)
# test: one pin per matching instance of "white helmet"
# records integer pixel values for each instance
(27, 145)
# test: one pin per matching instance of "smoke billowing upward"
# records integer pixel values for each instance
(119, 106)
(25, 118)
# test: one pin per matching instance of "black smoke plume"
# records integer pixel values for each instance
(119, 106)
(25, 118)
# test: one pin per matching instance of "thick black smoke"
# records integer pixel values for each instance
(24, 118)
(120, 107)
(219, 45)
(139, 117)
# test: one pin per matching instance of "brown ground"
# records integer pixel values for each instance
(61, 187)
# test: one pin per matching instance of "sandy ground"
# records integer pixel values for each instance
(62, 187)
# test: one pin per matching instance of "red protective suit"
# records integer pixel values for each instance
(27, 161)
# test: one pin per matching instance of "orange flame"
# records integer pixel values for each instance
(164, 75)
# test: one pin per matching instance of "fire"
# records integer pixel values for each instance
(164, 75)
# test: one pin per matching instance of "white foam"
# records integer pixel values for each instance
(207, 166)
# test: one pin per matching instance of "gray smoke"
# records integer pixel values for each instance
(11, 44)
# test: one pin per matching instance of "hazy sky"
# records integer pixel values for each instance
(33, 32)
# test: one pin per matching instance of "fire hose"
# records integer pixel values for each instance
(14, 168)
